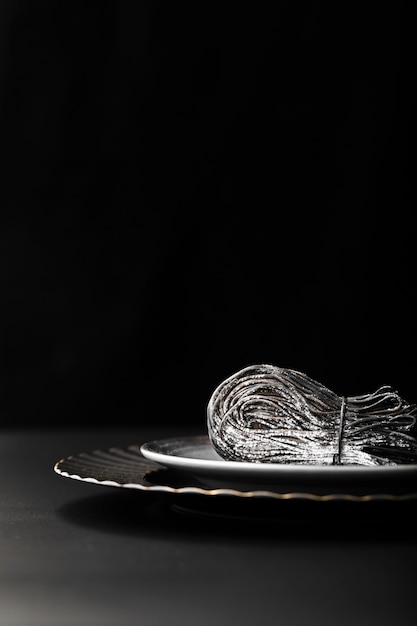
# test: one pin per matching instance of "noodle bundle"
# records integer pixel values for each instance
(265, 413)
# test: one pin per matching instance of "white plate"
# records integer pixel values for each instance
(197, 456)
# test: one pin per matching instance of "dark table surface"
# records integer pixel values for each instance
(74, 553)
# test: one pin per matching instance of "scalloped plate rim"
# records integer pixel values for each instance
(65, 467)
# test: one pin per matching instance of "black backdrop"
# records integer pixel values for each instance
(192, 187)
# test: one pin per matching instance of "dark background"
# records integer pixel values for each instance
(189, 188)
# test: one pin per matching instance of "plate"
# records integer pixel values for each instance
(191, 466)
(198, 456)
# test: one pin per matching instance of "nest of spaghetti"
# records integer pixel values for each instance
(268, 414)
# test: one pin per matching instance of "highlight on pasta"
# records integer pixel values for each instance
(264, 413)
